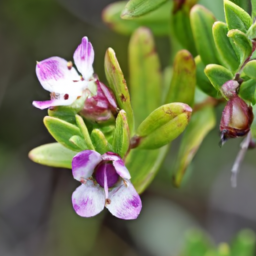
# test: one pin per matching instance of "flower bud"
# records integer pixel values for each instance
(102, 106)
(229, 89)
(236, 119)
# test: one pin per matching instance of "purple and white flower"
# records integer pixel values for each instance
(61, 79)
(105, 182)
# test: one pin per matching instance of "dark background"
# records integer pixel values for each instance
(36, 215)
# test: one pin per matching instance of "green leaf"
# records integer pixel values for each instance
(247, 91)
(145, 76)
(201, 22)
(163, 125)
(100, 142)
(218, 75)
(201, 79)
(143, 166)
(82, 126)
(182, 88)
(224, 46)
(244, 244)
(62, 131)
(118, 85)
(52, 154)
(236, 17)
(181, 27)
(253, 2)
(250, 69)
(79, 142)
(161, 116)
(158, 21)
(242, 43)
(199, 126)
(251, 33)
(136, 8)
(121, 138)
(64, 113)
(245, 5)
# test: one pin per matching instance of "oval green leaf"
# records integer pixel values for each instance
(183, 83)
(145, 76)
(136, 8)
(62, 131)
(250, 69)
(121, 137)
(158, 21)
(143, 166)
(236, 17)
(201, 22)
(200, 124)
(202, 81)
(218, 75)
(64, 113)
(247, 91)
(100, 142)
(181, 27)
(224, 46)
(83, 128)
(118, 85)
(162, 126)
(242, 43)
(52, 154)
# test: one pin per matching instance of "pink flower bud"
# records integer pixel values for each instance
(100, 107)
(236, 119)
(229, 89)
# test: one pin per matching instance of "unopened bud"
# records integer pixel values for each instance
(236, 119)
(229, 89)
(102, 106)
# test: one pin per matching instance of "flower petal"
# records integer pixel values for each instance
(110, 156)
(60, 100)
(84, 57)
(84, 163)
(124, 202)
(88, 199)
(121, 169)
(55, 72)
(108, 94)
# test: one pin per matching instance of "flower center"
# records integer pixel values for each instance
(111, 174)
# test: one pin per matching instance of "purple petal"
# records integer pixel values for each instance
(54, 72)
(88, 199)
(121, 169)
(124, 202)
(108, 94)
(44, 104)
(110, 156)
(84, 163)
(84, 57)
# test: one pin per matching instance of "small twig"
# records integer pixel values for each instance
(235, 169)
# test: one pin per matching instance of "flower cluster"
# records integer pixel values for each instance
(105, 179)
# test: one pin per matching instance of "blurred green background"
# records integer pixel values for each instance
(36, 215)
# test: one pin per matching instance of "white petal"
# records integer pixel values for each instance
(54, 72)
(84, 163)
(121, 169)
(84, 57)
(88, 199)
(125, 202)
